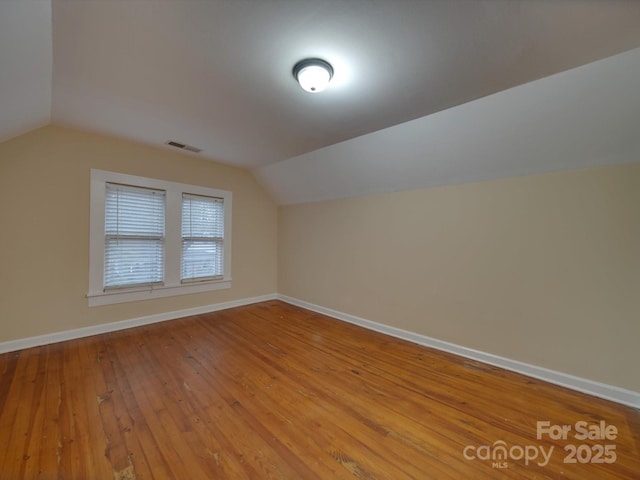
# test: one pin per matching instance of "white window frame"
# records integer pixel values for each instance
(172, 285)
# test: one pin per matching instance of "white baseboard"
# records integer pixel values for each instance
(13, 345)
(602, 390)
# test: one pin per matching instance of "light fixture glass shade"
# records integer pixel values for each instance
(313, 75)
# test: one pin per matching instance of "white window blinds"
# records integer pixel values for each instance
(202, 238)
(134, 236)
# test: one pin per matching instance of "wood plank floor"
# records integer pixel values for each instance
(275, 391)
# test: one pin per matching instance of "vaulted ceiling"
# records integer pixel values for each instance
(432, 81)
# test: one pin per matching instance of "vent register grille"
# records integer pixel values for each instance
(183, 146)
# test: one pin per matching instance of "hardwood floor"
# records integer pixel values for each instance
(275, 391)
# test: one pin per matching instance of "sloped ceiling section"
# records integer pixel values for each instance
(583, 117)
(25, 66)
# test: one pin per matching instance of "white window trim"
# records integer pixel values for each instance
(173, 243)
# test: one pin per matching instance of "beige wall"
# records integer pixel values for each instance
(543, 269)
(44, 236)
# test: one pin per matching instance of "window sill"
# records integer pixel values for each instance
(147, 293)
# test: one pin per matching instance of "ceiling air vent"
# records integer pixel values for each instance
(183, 146)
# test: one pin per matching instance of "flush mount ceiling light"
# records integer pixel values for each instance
(313, 74)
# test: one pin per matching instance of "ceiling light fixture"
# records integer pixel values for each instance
(313, 74)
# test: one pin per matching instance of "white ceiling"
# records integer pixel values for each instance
(217, 75)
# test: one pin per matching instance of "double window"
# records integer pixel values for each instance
(152, 238)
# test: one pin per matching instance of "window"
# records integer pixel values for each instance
(134, 236)
(202, 237)
(151, 238)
